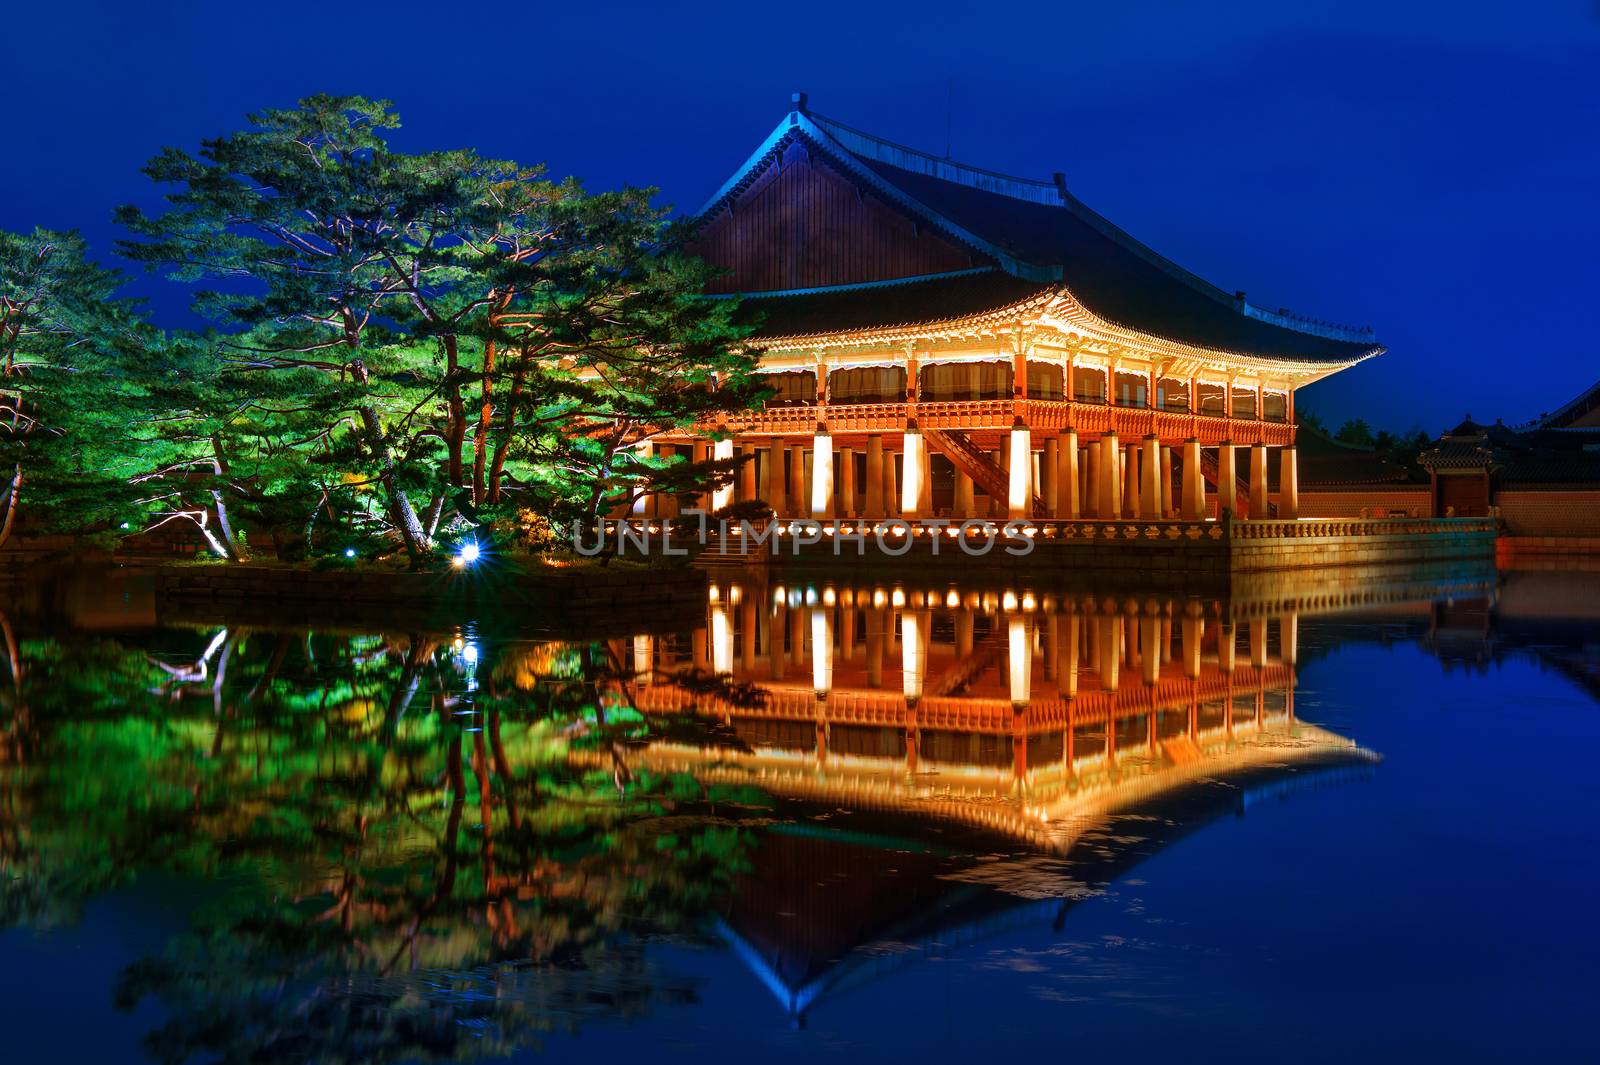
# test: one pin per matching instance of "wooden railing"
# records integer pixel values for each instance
(1037, 414)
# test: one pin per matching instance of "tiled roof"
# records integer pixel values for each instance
(1035, 232)
(1117, 279)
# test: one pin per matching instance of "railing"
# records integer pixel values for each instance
(1038, 414)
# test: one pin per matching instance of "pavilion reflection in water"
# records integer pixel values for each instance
(1011, 711)
(931, 722)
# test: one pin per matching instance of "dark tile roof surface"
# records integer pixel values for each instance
(1112, 275)
(913, 302)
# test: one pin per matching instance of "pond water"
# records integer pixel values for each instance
(832, 818)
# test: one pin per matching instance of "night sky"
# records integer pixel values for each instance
(1428, 169)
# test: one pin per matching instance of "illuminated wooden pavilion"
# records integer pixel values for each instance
(946, 341)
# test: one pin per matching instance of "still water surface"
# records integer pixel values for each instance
(875, 821)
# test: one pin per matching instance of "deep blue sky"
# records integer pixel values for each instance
(1430, 169)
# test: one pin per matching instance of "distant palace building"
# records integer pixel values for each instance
(944, 340)
(1541, 480)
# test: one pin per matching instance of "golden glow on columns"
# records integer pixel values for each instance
(722, 451)
(822, 651)
(821, 476)
(1020, 661)
(1020, 495)
(913, 660)
(911, 466)
(721, 641)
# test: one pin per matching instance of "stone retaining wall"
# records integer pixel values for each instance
(1273, 545)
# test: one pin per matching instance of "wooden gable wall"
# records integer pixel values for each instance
(803, 224)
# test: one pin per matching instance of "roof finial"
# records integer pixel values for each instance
(799, 101)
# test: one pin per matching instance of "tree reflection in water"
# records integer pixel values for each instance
(414, 866)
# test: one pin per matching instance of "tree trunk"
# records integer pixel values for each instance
(456, 427)
(405, 517)
(11, 506)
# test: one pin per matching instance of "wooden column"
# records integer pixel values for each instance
(1258, 481)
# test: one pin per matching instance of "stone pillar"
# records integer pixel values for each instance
(1194, 482)
(925, 483)
(747, 634)
(1095, 476)
(1067, 671)
(802, 483)
(747, 474)
(721, 641)
(722, 451)
(1130, 482)
(821, 475)
(963, 502)
(1258, 642)
(877, 631)
(821, 650)
(873, 507)
(1150, 649)
(1288, 484)
(1227, 649)
(1191, 645)
(891, 492)
(1019, 661)
(1110, 495)
(1289, 638)
(1227, 478)
(1150, 479)
(912, 468)
(913, 652)
(1019, 502)
(1258, 481)
(847, 482)
(1050, 475)
(1169, 508)
(1066, 476)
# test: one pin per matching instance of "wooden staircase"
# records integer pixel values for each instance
(984, 471)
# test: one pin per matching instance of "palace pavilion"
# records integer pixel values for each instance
(943, 341)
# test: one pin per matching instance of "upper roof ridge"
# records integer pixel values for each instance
(1049, 193)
